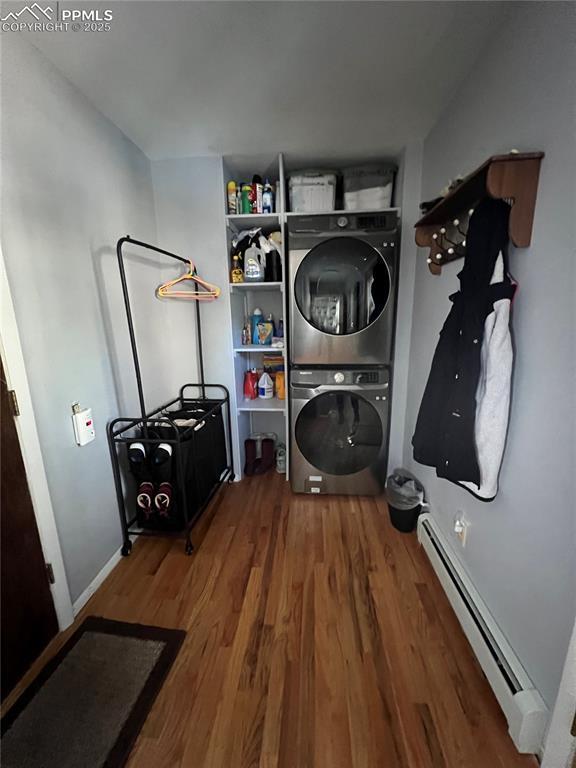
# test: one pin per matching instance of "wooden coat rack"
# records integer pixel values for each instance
(512, 177)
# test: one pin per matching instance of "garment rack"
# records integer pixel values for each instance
(141, 244)
(121, 431)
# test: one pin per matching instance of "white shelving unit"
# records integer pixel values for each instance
(256, 415)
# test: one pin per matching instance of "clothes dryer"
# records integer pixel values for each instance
(342, 288)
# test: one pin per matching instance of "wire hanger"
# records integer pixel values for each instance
(209, 292)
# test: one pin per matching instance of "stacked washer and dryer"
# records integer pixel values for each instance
(342, 277)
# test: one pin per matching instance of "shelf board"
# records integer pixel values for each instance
(366, 212)
(256, 286)
(264, 348)
(512, 177)
(254, 219)
(263, 406)
(263, 219)
(471, 189)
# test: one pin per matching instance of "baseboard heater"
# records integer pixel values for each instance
(525, 711)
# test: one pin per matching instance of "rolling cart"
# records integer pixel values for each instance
(194, 431)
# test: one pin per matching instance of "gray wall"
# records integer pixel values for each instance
(190, 213)
(72, 184)
(407, 194)
(520, 551)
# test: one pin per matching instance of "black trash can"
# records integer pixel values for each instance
(405, 495)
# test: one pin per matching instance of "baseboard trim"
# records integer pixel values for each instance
(524, 708)
(97, 581)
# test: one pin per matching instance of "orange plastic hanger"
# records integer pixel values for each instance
(208, 291)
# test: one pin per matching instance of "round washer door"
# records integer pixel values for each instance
(339, 433)
(342, 286)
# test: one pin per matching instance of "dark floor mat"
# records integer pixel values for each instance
(87, 706)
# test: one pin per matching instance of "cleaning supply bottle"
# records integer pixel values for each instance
(251, 384)
(253, 269)
(255, 320)
(232, 198)
(280, 385)
(266, 387)
(273, 271)
(236, 275)
(268, 198)
(246, 338)
(258, 188)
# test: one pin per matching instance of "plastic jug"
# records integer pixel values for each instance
(253, 267)
(265, 387)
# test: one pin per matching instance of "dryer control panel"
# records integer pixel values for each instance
(319, 377)
(383, 221)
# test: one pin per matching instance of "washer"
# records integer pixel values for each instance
(342, 288)
(339, 430)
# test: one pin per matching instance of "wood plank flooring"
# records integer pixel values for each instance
(318, 637)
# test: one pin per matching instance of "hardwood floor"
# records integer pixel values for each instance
(318, 637)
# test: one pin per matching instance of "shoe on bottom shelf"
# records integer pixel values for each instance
(251, 457)
(144, 498)
(267, 460)
(281, 459)
(163, 499)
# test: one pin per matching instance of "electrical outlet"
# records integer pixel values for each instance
(461, 528)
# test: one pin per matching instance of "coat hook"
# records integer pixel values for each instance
(502, 177)
(457, 223)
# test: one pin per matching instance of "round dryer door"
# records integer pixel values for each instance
(342, 285)
(339, 433)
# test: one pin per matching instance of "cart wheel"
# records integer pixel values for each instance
(126, 548)
(189, 548)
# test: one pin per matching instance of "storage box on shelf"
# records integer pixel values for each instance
(364, 187)
(312, 191)
(368, 187)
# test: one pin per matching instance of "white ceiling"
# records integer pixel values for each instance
(314, 79)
